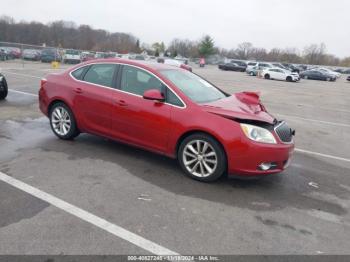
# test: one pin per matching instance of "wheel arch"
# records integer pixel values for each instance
(60, 100)
(55, 101)
(197, 131)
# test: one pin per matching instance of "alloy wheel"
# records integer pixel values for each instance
(61, 121)
(200, 158)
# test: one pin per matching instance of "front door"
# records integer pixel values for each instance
(137, 120)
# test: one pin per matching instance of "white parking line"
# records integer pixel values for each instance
(23, 93)
(322, 155)
(315, 120)
(37, 77)
(89, 217)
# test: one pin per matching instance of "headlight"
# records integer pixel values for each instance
(258, 134)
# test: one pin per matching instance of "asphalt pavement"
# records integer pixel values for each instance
(304, 210)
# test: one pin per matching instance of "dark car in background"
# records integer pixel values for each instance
(11, 52)
(317, 75)
(295, 68)
(232, 67)
(239, 62)
(31, 54)
(49, 55)
(14, 52)
(3, 87)
(3, 54)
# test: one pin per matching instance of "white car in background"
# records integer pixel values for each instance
(250, 65)
(280, 74)
(72, 57)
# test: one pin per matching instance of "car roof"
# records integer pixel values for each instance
(142, 63)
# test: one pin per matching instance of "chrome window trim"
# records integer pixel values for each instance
(281, 123)
(119, 90)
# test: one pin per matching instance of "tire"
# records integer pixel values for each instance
(305, 77)
(289, 79)
(328, 79)
(267, 76)
(3, 89)
(206, 167)
(67, 129)
(251, 74)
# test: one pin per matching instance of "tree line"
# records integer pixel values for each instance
(69, 35)
(314, 54)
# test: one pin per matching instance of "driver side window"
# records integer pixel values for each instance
(137, 81)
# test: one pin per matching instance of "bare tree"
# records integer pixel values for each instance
(244, 50)
(314, 54)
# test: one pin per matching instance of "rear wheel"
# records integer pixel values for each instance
(267, 76)
(289, 79)
(251, 73)
(202, 157)
(3, 88)
(63, 122)
(305, 77)
(328, 79)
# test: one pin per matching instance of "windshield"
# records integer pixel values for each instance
(196, 88)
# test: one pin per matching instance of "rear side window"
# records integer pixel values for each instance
(101, 74)
(78, 73)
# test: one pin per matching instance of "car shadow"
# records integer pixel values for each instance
(275, 192)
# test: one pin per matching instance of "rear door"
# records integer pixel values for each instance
(280, 75)
(317, 75)
(93, 97)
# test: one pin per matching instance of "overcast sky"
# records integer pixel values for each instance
(265, 23)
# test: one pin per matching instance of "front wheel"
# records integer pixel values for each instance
(63, 122)
(202, 157)
(3, 88)
(267, 76)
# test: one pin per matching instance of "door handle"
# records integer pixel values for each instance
(121, 103)
(78, 90)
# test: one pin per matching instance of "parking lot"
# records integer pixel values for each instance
(304, 210)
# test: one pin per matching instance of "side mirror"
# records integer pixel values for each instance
(154, 94)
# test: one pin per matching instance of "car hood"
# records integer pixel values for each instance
(243, 106)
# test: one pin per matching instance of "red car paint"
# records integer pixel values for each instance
(186, 67)
(159, 127)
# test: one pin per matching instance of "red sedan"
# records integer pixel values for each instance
(170, 111)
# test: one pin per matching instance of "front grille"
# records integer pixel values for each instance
(284, 132)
